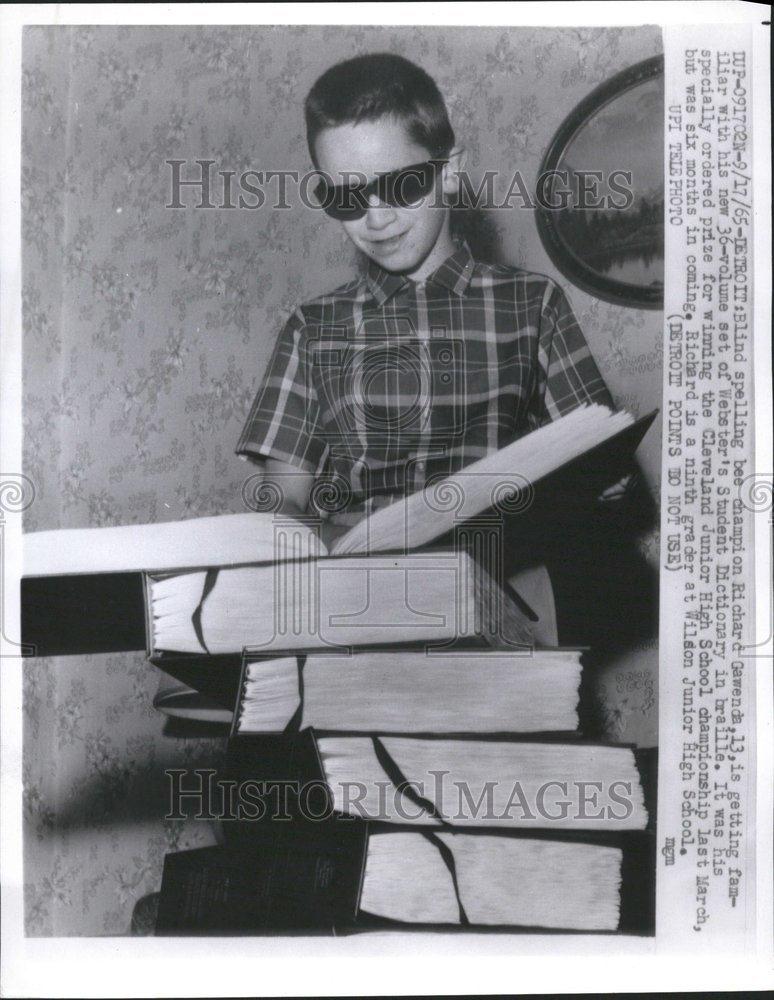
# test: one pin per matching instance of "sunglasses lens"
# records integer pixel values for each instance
(408, 186)
(399, 189)
(342, 203)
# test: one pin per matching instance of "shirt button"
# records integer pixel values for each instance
(420, 466)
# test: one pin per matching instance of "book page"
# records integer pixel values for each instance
(499, 478)
(201, 541)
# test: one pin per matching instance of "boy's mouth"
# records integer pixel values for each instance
(384, 247)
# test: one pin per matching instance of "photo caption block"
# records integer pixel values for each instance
(706, 816)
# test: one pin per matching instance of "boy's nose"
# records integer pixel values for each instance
(378, 215)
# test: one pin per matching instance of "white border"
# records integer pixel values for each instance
(168, 967)
(662, 12)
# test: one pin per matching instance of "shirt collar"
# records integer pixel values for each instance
(454, 274)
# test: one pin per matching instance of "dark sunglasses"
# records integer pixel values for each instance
(398, 189)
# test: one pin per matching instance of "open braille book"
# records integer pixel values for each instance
(215, 584)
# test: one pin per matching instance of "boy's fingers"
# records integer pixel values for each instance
(617, 490)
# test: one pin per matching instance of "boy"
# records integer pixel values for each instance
(432, 359)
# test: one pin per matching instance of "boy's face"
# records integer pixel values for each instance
(414, 240)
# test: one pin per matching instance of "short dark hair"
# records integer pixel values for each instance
(374, 85)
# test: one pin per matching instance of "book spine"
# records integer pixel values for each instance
(147, 610)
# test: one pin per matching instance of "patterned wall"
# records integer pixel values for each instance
(146, 331)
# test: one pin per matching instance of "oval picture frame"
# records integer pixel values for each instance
(573, 266)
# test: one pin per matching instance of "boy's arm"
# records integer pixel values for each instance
(568, 375)
(293, 486)
(283, 432)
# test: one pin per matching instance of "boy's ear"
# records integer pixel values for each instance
(451, 171)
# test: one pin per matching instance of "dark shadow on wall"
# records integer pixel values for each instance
(605, 590)
(119, 794)
(479, 230)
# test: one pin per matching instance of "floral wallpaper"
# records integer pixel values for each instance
(147, 329)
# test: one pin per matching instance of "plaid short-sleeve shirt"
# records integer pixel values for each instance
(385, 383)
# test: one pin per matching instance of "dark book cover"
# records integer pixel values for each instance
(287, 782)
(83, 613)
(216, 677)
(284, 878)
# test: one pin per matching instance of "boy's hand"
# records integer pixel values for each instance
(292, 484)
(616, 492)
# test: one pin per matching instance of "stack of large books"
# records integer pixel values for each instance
(428, 752)
(416, 789)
